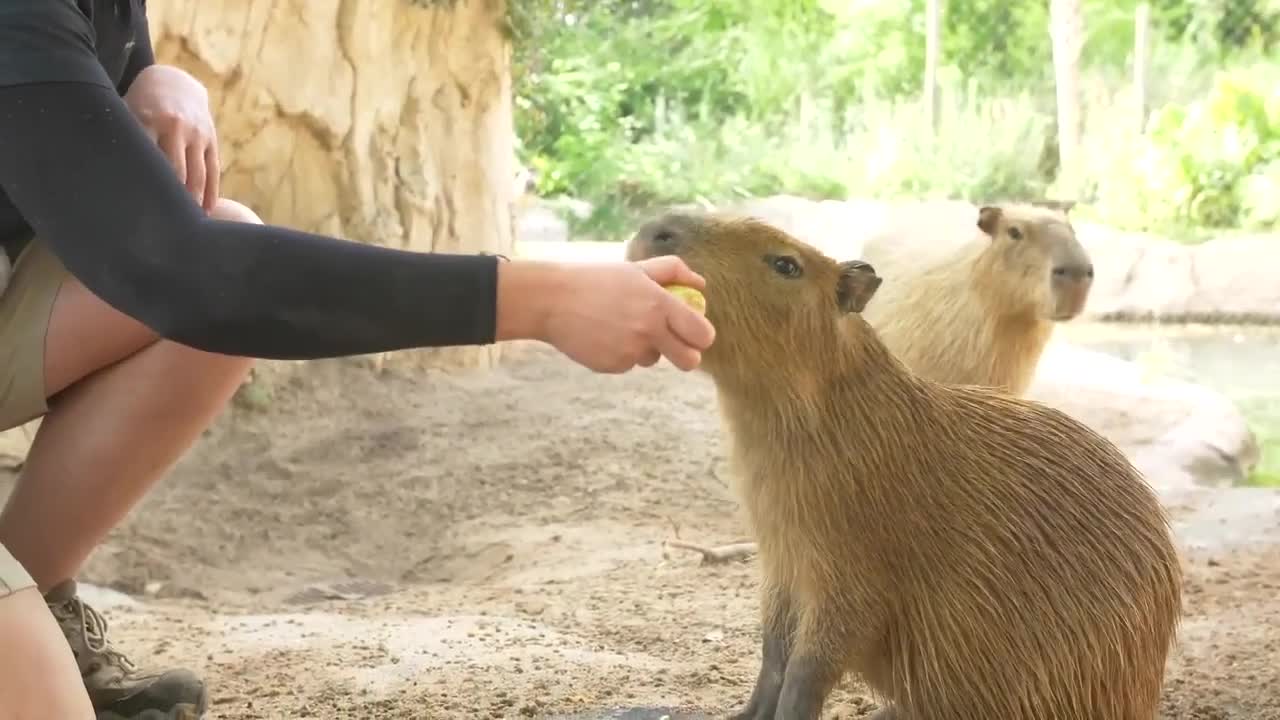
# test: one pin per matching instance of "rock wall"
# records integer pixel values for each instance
(384, 121)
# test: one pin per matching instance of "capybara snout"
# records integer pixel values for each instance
(660, 236)
(1071, 282)
(755, 255)
(764, 288)
(1069, 296)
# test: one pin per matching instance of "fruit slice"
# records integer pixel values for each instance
(689, 296)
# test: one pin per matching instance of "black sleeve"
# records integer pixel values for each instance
(79, 168)
(142, 54)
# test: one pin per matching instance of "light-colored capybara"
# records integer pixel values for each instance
(979, 311)
(968, 554)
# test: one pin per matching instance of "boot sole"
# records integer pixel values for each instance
(177, 712)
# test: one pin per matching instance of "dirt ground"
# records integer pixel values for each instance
(491, 546)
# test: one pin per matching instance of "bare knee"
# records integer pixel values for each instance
(227, 209)
(38, 674)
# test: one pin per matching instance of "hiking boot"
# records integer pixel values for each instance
(117, 689)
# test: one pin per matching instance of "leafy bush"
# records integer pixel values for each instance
(1213, 162)
(630, 104)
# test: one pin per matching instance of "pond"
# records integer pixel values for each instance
(1241, 362)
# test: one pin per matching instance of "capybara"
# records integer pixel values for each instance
(968, 554)
(980, 311)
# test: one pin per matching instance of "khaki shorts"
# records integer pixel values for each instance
(24, 319)
(25, 307)
(12, 576)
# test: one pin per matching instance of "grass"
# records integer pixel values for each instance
(1263, 416)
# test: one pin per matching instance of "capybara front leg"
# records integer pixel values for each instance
(808, 680)
(776, 628)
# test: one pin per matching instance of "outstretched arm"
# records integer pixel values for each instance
(84, 174)
(102, 195)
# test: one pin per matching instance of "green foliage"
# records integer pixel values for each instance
(1213, 162)
(631, 104)
(1264, 421)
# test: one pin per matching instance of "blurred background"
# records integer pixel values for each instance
(1160, 119)
(1172, 108)
(385, 537)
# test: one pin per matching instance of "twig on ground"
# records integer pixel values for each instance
(718, 554)
(675, 526)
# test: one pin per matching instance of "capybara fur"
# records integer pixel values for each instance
(968, 554)
(980, 311)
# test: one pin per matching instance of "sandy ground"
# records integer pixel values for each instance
(491, 546)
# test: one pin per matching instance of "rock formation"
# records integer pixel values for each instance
(385, 121)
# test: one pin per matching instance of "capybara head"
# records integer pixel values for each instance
(769, 295)
(1039, 244)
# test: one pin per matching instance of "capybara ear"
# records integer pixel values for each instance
(857, 285)
(988, 218)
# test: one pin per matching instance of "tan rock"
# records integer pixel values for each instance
(1181, 435)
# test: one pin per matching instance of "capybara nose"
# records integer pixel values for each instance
(1075, 272)
(664, 240)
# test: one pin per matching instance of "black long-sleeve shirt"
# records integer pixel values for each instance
(78, 171)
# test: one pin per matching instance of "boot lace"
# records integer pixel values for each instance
(95, 637)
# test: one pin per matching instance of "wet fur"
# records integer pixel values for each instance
(969, 555)
(978, 312)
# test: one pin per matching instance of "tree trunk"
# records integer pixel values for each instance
(383, 121)
(932, 59)
(1066, 30)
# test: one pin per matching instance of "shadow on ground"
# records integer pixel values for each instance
(649, 713)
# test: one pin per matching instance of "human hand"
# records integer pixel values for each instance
(608, 317)
(173, 107)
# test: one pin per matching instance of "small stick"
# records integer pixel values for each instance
(719, 554)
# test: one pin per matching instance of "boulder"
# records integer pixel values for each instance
(1181, 435)
(838, 228)
(539, 223)
(1142, 277)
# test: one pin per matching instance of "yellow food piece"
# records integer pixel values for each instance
(689, 296)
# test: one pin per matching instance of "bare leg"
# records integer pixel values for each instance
(776, 628)
(38, 677)
(125, 406)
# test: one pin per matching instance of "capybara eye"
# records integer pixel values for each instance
(1015, 233)
(786, 266)
(664, 237)
(1059, 271)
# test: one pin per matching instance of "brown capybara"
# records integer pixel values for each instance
(982, 310)
(968, 554)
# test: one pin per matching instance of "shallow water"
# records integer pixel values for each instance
(1242, 362)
